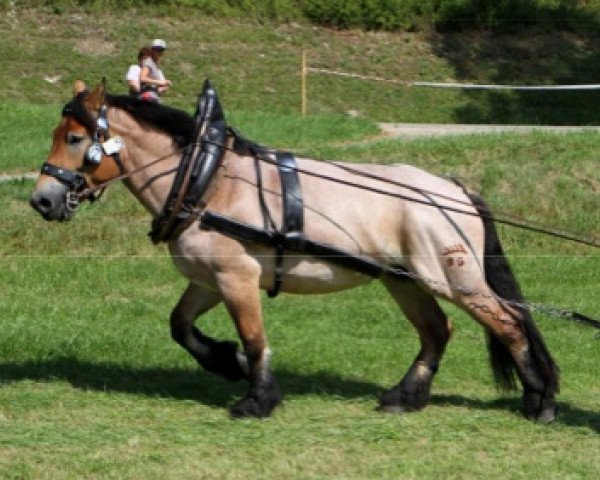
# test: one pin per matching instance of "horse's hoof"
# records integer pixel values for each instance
(258, 403)
(247, 407)
(252, 407)
(397, 400)
(547, 415)
(539, 408)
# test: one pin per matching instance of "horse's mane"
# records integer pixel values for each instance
(176, 123)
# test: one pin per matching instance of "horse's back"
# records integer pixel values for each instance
(379, 202)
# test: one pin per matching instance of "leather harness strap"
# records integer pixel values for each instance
(199, 164)
(292, 213)
(291, 192)
(299, 244)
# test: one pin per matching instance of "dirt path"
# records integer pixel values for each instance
(18, 176)
(416, 130)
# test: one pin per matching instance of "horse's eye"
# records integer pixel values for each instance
(73, 139)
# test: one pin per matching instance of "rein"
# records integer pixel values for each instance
(529, 226)
(506, 220)
(208, 101)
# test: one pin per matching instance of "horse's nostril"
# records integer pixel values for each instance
(41, 204)
(44, 203)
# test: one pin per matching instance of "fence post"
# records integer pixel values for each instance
(303, 83)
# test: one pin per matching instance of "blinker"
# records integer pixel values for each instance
(94, 154)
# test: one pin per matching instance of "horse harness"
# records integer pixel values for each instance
(199, 165)
(190, 191)
(191, 188)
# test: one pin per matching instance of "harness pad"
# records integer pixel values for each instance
(293, 205)
(292, 224)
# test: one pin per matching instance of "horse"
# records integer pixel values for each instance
(448, 248)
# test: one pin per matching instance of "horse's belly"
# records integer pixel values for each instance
(313, 276)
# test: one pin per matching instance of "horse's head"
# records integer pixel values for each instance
(77, 161)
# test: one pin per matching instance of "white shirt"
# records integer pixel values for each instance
(133, 74)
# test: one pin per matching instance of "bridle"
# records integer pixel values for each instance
(102, 145)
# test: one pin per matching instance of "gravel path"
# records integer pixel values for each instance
(416, 130)
(19, 176)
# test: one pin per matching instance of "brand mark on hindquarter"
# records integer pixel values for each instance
(457, 248)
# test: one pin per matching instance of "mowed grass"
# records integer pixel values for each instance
(92, 385)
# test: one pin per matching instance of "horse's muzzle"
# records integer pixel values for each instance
(51, 203)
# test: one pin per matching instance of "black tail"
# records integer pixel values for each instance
(503, 283)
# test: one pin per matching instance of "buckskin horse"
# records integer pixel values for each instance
(426, 237)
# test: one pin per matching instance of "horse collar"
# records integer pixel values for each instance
(199, 164)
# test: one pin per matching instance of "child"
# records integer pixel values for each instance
(133, 73)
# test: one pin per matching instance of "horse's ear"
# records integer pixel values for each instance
(95, 99)
(78, 86)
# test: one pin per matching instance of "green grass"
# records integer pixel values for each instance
(93, 386)
(26, 131)
(25, 135)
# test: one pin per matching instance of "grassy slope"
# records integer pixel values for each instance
(93, 387)
(256, 66)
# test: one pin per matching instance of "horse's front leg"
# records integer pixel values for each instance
(241, 295)
(222, 358)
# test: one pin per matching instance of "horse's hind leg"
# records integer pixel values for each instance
(514, 341)
(222, 358)
(434, 329)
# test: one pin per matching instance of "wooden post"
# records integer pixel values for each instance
(303, 83)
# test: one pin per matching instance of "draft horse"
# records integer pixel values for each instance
(445, 253)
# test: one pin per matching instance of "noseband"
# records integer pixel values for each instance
(74, 179)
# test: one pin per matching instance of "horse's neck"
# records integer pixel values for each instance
(143, 146)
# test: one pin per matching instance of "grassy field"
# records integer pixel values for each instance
(92, 386)
(26, 143)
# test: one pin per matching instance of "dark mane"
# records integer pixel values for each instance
(176, 123)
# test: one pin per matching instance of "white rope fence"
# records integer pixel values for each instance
(469, 86)
(305, 70)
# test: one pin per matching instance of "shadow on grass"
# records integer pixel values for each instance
(208, 389)
(178, 383)
(567, 414)
(523, 42)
